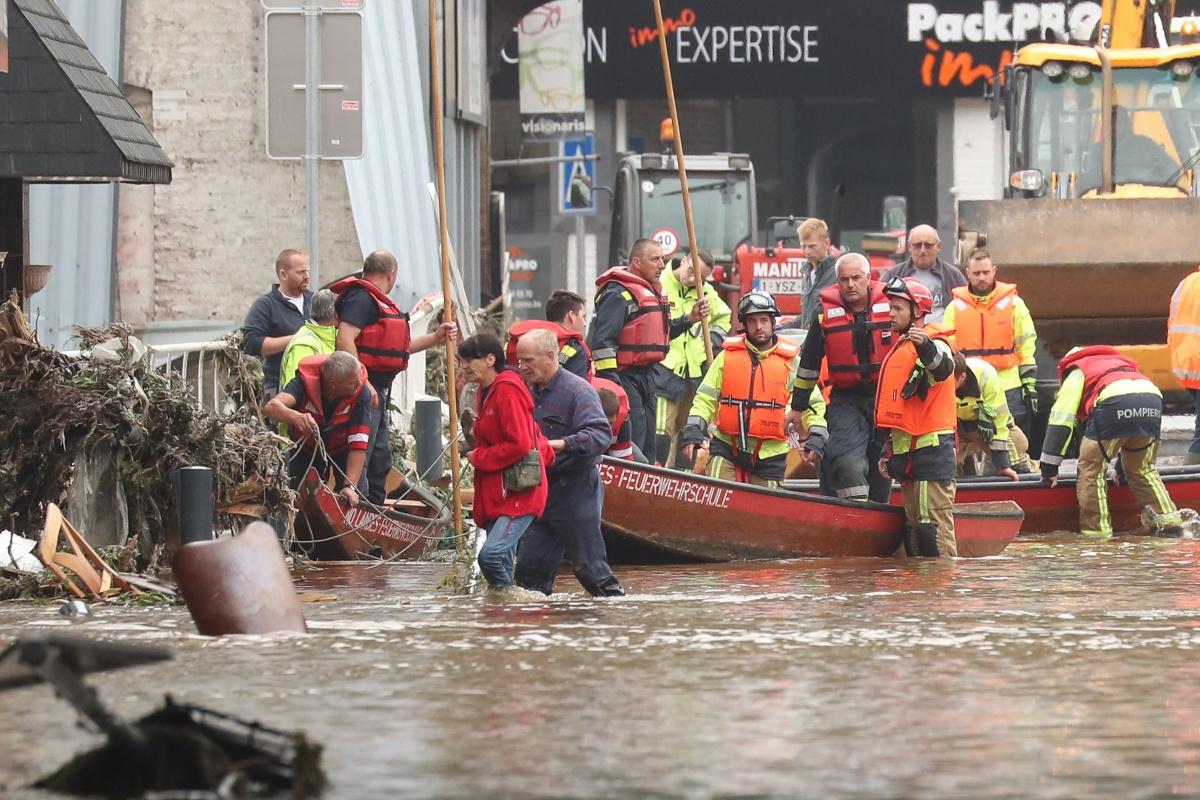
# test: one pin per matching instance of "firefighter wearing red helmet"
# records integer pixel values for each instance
(916, 403)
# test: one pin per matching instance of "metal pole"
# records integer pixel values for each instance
(683, 182)
(312, 137)
(439, 161)
(580, 255)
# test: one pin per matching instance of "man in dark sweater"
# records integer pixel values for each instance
(924, 263)
(277, 315)
(568, 410)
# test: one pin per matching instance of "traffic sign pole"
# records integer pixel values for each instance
(312, 137)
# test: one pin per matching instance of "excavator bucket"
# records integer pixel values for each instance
(1093, 271)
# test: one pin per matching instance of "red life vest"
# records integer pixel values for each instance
(334, 423)
(622, 401)
(565, 337)
(646, 337)
(1100, 365)
(382, 345)
(937, 411)
(987, 332)
(837, 323)
(755, 391)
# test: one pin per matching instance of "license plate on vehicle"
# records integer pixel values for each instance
(777, 285)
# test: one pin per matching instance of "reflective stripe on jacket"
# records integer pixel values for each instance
(983, 326)
(333, 423)
(646, 335)
(915, 415)
(846, 368)
(1183, 331)
(755, 390)
(383, 345)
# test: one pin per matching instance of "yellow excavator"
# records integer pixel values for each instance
(1101, 216)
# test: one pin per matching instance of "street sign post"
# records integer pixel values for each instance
(578, 168)
(314, 92)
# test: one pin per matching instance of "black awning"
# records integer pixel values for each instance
(62, 118)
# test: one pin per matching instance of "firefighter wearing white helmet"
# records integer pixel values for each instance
(746, 393)
(916, 403)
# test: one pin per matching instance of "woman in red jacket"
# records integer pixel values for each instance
(504, 432)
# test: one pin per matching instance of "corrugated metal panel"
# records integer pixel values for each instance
(388, 185)
(72, 227)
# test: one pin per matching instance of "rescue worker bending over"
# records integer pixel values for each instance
(680, 373)
(1120, 411)
(747, 391)
(566, 318)
(985, 425)
(853, 334)
(916, 403)
(992, 322)
(330, 397)
(632, 331)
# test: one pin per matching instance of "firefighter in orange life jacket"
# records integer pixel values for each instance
(632, 330)
(746, 391)
(375, 331)
(916, 403)
(852, 335)
(1108, 408)
(1183, 342)
(991, 322)
(329, 398)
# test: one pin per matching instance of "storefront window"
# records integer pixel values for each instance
(720, 208)
(1156, 126)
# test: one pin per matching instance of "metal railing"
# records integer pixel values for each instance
(194, 362)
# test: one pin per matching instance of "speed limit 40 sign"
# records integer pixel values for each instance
(668, 240)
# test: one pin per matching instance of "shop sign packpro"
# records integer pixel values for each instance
(550, 43)
(813, 48)
(529, 280)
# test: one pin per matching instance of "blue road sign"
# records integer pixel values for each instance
(577, 176)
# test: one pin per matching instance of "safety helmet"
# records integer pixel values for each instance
(911, 290)
(757, 302)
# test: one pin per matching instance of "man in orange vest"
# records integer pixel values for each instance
(1183, 341)
(375, 331)
(916, 403)
(632, 330)
(852, 335)
(991, 322)
(747, 390)
(329, 398)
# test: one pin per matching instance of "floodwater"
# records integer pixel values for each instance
(1062, 669)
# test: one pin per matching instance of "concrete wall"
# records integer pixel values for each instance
(217, 227)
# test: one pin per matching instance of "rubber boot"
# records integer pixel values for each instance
(926, 535)
(609, 587)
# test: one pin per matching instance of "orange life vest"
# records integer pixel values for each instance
(646, 337)
(837, 323)
(565, 337)
(1183, 331)
(1100, 365)
(755, 391)
(987, 332)
(382, 345)
(333, 423)
(938, 411)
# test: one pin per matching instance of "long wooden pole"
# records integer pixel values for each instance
(439, 163)
(697, 264)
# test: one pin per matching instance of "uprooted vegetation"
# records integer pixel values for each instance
(58, 407)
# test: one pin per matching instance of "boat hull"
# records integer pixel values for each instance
(335, 531)
(655, 515)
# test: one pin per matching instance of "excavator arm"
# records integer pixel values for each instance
(1128, 24)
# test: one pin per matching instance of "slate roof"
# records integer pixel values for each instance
(61, 115)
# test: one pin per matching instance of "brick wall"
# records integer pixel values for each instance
(229, 210)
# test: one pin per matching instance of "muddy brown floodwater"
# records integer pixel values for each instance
(1062, 669)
